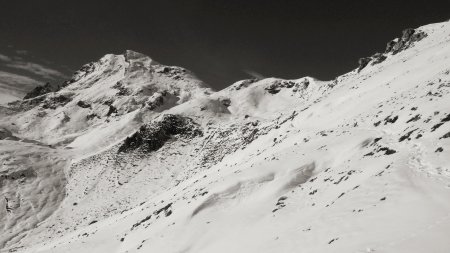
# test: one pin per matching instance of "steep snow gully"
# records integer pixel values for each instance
(133, 156)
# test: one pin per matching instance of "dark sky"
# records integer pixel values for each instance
(221, 41)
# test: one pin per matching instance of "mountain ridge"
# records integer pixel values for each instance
(145, 157)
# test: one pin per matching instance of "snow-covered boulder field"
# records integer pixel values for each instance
(134, 156)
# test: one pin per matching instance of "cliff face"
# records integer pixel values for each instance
(130, 155)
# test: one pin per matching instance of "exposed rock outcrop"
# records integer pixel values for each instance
(83, 104)
(276, 86)
(151, 137)
(52, 102)
(409, 37)
(39, 90)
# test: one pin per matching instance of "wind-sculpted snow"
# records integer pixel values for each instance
(32, 185)
(157, 162)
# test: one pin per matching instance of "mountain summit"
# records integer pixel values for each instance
(133, 156)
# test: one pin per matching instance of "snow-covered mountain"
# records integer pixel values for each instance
(133, 156)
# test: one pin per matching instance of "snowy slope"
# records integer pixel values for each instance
(104, 101)
(357, 164)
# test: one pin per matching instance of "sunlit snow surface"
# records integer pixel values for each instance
(357, 164)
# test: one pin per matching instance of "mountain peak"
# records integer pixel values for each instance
(133, 55)
(133, 156)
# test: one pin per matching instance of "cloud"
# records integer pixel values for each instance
(253, 74)
(19, 74)
(37, 69)
(4, 58)
(18, 83)
(14, 86)
(22, 52)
